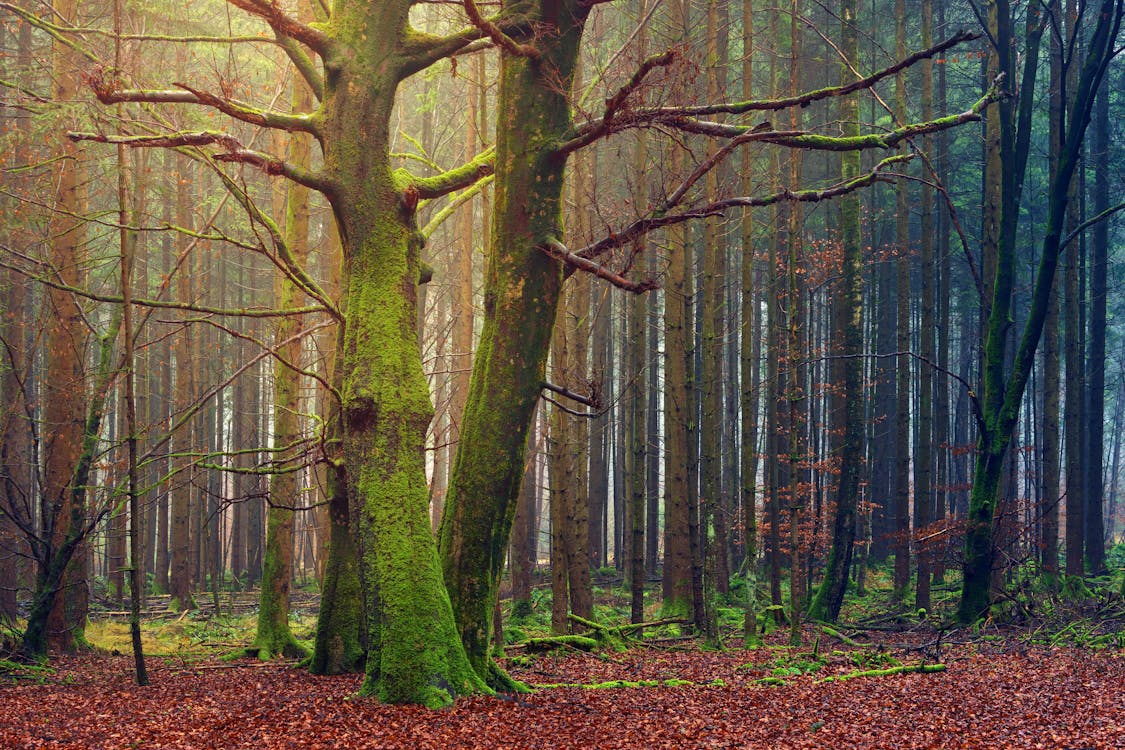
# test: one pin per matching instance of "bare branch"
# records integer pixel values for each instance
(614, 103)
(815, 142)
(247, 312)
(571, 412)
(638, 118)
(284, 260)
(497, 35)
(109, 90)
(641, 227)
(594, 401)
(235, 152)
(559, 251)
(1103, 216)
(61, 34)
(284, 24)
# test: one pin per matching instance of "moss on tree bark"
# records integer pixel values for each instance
(522, 287)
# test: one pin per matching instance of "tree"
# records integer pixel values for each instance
(528, 261)
(366, 49)
(274, 638)
(998, 409)
(848, 330)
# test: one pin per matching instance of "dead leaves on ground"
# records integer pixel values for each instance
(992, 697)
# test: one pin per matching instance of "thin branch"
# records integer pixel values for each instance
(572, 412)
(559, 251)
(594, 402)
(812, 141)
(664, 114)
(61, 34)
(974, 272)
(158, 304)
(305, 66)
(936, 184)
(235, 152)
(614, 103)
(293, 366)
(978, 414)
(643, 226)
(1089, 223)
(284, 260)
(109, 90)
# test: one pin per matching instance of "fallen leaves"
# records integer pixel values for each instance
(1055, 698)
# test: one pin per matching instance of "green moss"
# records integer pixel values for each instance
(622, 684)
(414, 652)
(924, 668)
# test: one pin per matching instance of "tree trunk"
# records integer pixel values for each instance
(274, 637)
(849, 409)
(63, 514)
(1095, 368)
(521, 300)
(183, 441)
(525, 528)
(923, 460)
(1001, 396)
(677, 583)
(903, 379)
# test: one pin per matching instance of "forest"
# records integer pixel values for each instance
(477, 354)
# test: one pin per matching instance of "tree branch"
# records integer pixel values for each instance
(497, 35)
(1104, 215)
(109, 90)
(306, 68)
(594, 401)
(599, 128)
(559, 251)
(614, 103)
(814, 142)
(423, 50)
(446, 182)
(159, 304)
(61, 34)
(235, 152)
(641, 227)
(285, 25)
(458, 200)
(284, 260)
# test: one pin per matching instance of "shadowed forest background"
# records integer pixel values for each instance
(462, 315)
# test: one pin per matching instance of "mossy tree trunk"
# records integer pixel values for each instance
(274, 638)
(414, 654)
(1003, 392)
(522, 286)
(339, 646)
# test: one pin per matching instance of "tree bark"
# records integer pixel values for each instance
(522, 287)
(849, 409)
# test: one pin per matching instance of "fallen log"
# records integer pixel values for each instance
(924, 668)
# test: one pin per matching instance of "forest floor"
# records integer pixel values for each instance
(998, 691)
